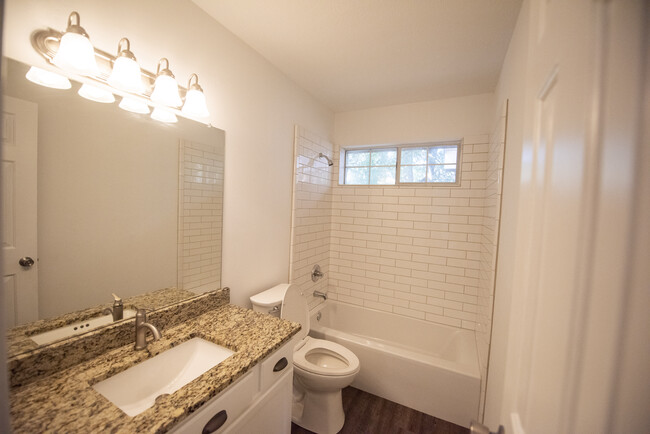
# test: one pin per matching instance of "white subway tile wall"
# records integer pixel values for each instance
(413, 250)
(312, 211)
(200, 211)
(489, 245)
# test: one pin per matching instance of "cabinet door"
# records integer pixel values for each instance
(275, 365)
(271, 413)
(223, 409)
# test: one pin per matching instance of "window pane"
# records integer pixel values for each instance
(357, 175)
(414, 156)
(357, 158)
(412, 173)
(382, 175)
(443, 155)
(384, 157)
(442, 173)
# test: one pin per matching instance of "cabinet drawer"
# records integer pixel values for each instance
(276, 364)
(223, 408)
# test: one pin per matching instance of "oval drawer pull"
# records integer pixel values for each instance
(215, 423)
(282, 363)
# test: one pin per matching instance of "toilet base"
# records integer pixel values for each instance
(320, 412)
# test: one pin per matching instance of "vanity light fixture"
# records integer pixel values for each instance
(120, 74)
(96, 94)
(134, 105)
(126, 74)
(75, 52)
(162, 115)
(165, 89)
(47, 78)
(195, 100)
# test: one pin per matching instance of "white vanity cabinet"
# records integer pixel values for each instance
(259, 402)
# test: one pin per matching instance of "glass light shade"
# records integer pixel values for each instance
(163, 115)
(76, 54)
(96, 94)
(47, 78)
(165, 91)
(195, 104)
(134, 105)
(126, 75)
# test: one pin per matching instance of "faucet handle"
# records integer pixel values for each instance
(316, 273)
(141, 315)
(117, 299)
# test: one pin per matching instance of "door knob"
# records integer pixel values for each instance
(26, 261)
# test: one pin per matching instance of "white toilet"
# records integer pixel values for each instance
(321, 368)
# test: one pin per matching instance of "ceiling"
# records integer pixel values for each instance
(355, 54)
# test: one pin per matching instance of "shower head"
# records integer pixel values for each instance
(329, 162)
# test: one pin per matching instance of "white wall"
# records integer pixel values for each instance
(312, 213)
(511, 86)
(444, 119)
(252, 101)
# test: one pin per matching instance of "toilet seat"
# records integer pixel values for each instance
(343, 361)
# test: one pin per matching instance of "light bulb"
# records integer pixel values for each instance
(96, 94)
(76, 53)
(134, 105)
(163, 115)
(126, 73)
(165, 90)
(195, 104)
(47, 78)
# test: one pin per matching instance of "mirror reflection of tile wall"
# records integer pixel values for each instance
(200, 213)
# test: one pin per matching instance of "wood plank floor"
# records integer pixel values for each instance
(369, 414)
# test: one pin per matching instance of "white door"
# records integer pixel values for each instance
(19, 150)
(575, 225)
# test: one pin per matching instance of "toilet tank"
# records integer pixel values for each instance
(270, 301)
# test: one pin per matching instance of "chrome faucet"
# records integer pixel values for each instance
(118, 309)
(320, 294)
(141, 327)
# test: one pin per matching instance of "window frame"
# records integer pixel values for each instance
(398, 183)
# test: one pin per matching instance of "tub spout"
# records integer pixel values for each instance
(320, 294)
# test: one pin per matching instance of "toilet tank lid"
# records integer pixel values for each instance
(271, 296)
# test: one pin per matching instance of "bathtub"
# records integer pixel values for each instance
(428, 367)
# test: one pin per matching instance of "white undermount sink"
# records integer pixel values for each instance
(77, 328)
(137, 388)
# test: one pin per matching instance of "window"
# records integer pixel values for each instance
(372, 166)
(428, 164)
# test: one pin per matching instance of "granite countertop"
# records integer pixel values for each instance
(64, 401)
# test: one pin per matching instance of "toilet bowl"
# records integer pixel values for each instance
(325, 366)
(321, 368)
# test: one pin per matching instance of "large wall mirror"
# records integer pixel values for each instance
(124, 204)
